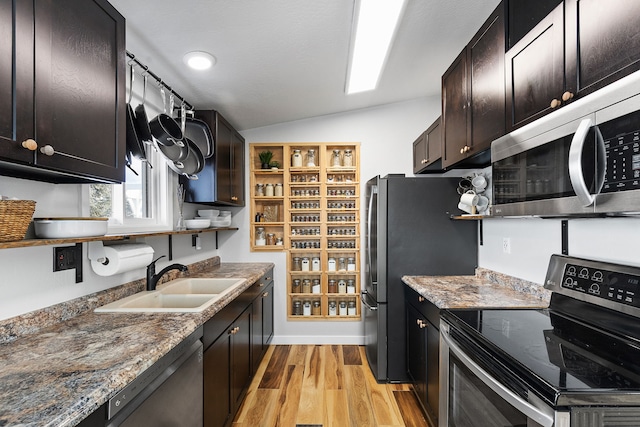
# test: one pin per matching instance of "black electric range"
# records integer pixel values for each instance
(581, 353)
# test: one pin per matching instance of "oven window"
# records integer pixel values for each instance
(473, 404)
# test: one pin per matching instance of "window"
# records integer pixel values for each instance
(141, 203)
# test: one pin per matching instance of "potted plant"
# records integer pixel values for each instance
(265, 159)
(274, 165)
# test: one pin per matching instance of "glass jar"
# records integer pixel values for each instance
(351, 308)
(297, 264)
(347, 159)
(305, 264)
(315, 264)
(332, 286)
(306, 308)
(268, 190)
(331, 264)
(260, 237)
(259, 189)
(342, 286)
(351, 286)
(351, 264)
(311, 158)
(315, 287)
(343, 308)
(336, 160)
(279, 241)
(296, 287)
(342, 264)
(296, 159)
(271, 239)
(306, 286)
(297, 308)
(316, 308)
(278, 190)
(333, 308)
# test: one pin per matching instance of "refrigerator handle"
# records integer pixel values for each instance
(369, 216)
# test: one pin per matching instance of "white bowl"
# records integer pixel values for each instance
(225, 213)
(221, 222)
(64, 228)
(208, 213)
(197, 223)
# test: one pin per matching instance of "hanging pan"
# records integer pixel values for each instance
(142, 121)
(132, 137)
(192, 165)
(163, 127)
(200, 133)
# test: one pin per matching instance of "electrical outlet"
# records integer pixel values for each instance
(506, 245)
(64, 258)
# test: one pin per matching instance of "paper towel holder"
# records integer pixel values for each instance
(96, 252)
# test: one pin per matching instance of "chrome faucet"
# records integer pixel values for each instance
(152, 277)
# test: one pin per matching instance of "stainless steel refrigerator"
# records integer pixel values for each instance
(409, 231)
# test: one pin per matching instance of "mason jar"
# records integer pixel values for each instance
(333, 309)
(351, 286)
(311, 158)
(342, 286)
(351, 264)
(259, 189)
(297, 264)
(351, 308)
(347, 159)
(261, 239)
(268, 190)
(306, 286)
(297, 308)
(343, 308)
(336, 160)
(296, 159)
(278, 192)
(271, 239)
(332, 286)
(316, 308)
(296, 287)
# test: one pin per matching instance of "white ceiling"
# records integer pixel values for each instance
(284, 60)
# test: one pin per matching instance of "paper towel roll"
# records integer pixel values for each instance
(121, 258)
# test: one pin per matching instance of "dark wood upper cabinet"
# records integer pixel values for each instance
(67, 93)
(473, 96)
(602, 43)
(535, 71)
(427, 150)
(523, 15)
(221, 182)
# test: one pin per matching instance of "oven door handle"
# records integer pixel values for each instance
(510, 397)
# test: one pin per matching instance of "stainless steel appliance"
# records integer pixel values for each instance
(573, 364)
(408, 232)
(583, 160)
(169, 393)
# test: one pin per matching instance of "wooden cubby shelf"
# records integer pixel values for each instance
(316, 217)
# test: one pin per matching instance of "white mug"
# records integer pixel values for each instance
(464, 207)
(479, 182)
(483, 203)
(469, 198)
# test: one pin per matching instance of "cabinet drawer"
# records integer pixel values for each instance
(258, 287)
(423, 305)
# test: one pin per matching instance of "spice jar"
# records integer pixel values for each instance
(306, 286)
(351, 264)
(347, 159)
(297, 264)
(342, 286)
(306, 308)
(315, 264)
(259, 189)
(342, 265)
(271, 239)
(305, 264)
(315, 287)
(297, 308)
(268, 190)
(333, 309)
(351, 286)
(316, 308)
(311, 158)
(331, 264)
(351, 308)
(343, 308)
(332, 287)
(260, 237)
(278, 190)
(296, 159)
(279, 241)
(336, 161)
(296, 286)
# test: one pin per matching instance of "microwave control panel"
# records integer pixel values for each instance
(615, 286)
(622, 145)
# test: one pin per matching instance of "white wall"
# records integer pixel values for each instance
(386, 134)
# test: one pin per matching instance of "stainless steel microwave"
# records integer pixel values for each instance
(582, 160)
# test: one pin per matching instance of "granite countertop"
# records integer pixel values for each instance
(487, 289)
(60, 374)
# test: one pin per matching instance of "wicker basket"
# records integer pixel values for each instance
(15, 216)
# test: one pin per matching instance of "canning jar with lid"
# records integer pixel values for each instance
(259, 189)
(260, 237)
(297, 308)
(316, 308)
(342, 265)
(297, 264)
(311, 158)
(336, 160)
(271, 239)
(278, 190)
(296, 159)
(268, 190)
(347, 159)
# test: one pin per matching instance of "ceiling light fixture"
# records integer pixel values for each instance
(374, 27)
(199, 60)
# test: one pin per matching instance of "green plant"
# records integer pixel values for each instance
(275, 164)
(265, 157)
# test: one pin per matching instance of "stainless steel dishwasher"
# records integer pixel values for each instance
(167, 394)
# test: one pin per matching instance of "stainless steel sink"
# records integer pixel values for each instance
(180, 295)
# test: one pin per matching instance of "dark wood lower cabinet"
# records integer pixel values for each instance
(235, 341)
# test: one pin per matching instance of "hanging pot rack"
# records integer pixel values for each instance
(132, 58)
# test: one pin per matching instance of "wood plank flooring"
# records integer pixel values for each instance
(324, 386)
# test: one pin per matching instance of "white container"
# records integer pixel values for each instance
(296, 159)
(306, 308)
(305, 264)
(208, 213)
(268, 190)
(343, 308)
(315, 264)
(351, 264)
(197, 224)
(61, 228)
(331, 265)
(278, 190)
(342, 286)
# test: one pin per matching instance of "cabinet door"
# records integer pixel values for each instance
(420, 157)
(217, 382)
(602, 43)
(79, 87)
(237, 169)
(417, 353)
(261, 325)
(267, 317)
(16, 95)
(535, 71)
(434, 142)
(523, 15)
(486, 77)
(454, 111)
(240, 358)
(224, 156)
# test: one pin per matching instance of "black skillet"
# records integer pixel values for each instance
(142, 121)
(132, 136)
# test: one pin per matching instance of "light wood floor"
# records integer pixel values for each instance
(327, 386)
